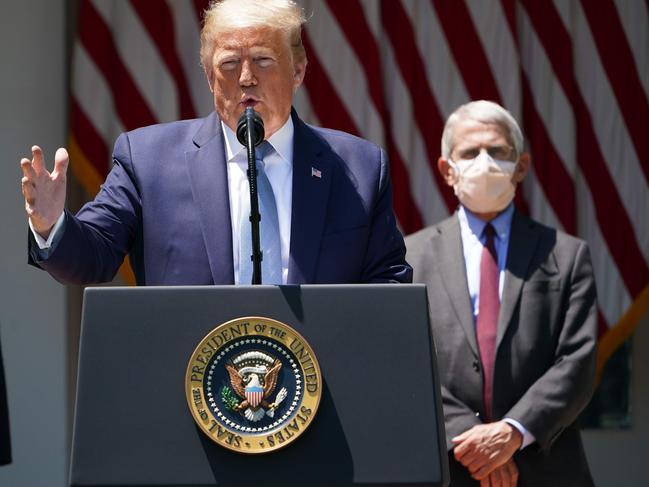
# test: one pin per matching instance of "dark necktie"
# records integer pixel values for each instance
(487, 322)
(271, 264)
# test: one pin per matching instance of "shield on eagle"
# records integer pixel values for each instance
(254, 393)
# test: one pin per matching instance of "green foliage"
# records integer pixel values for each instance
(228, 398)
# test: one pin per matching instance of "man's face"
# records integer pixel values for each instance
(470, 137)
(254, 67)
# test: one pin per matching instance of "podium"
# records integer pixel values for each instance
(379, 421)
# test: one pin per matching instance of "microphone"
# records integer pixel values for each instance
(250, 118)
(250, 133)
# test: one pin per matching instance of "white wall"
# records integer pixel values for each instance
(32, 306)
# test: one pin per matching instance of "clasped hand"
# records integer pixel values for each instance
(486, 450)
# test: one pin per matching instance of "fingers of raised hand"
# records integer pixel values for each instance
(27, 169)
(61, 161)
(37, 160)
(35, 172)
(36, 182)
(28, 181)
(27, 187)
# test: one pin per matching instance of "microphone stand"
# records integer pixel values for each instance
(251, 129)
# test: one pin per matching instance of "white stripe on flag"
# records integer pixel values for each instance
(610, 129)
(142, 59)
(94, 96)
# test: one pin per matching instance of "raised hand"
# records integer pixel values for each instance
(44, 191)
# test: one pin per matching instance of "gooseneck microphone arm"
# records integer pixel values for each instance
(250, 133)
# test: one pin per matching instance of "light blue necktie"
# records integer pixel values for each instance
(271, 264)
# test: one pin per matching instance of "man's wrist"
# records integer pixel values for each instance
(527, 437)
(46, 241)
(516, 435)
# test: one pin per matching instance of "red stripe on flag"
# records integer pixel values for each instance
(427, 114)
(98, 41)
(559, 191)
(160, 26)
(622, 72)
(602, 326)
(611, 215)
(404, 206)
(352, 21)
(329, 109)
(550, 171)
(467, 49)
(90, 142)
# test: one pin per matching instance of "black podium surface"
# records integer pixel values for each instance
(379, 422)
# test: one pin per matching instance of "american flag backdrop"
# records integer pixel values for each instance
(574, 73)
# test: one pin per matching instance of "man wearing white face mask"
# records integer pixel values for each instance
(513, 314)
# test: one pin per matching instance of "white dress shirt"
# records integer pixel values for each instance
(473, 241)
(278, 166)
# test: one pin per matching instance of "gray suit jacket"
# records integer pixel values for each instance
(546, 343)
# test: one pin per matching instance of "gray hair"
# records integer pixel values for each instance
(485, 112)
(224, 15)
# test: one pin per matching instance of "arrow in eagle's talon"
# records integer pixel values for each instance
(281, 395)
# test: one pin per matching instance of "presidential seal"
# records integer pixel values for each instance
(253, 385)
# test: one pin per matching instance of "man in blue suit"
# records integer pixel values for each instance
(176, 197)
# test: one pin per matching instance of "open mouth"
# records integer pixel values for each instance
(249, 101)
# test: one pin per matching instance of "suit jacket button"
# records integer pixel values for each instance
(476, 366)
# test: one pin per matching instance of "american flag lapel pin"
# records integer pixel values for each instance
(316, 173)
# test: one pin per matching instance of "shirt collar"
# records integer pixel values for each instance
(502, 223)
(282, 142)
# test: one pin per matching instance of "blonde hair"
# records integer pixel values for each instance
(225, 15)
(485, 112)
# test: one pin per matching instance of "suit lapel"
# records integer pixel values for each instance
(312, 174)
(449, 245)
(523, 240)
(208, 176)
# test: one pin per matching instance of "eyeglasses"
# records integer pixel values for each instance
(501, 152)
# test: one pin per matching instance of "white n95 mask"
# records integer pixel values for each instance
(484, 185)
